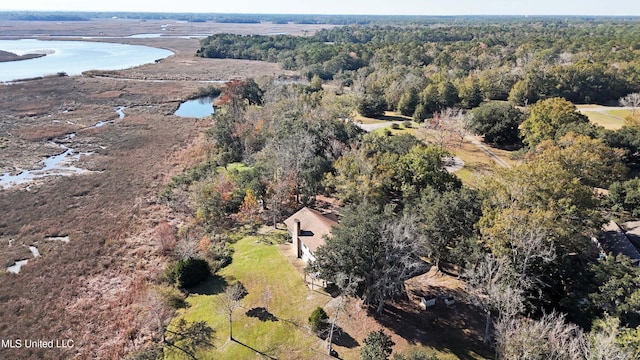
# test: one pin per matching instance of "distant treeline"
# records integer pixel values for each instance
(37, 16)
(584, 61)
(284, 18)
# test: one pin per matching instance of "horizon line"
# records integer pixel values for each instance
(315, 14)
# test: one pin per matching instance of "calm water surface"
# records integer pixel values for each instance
(196, 108)
(73, 57)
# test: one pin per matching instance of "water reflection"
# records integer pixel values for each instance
(196, 108)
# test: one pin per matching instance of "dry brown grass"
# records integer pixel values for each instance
(88, 289)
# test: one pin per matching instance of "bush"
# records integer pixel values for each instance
(172, 297)
(319, 320)
(407, 124)
(372, 106)
(190, 272)
(377, 346)
(151, 352)
(395, 126)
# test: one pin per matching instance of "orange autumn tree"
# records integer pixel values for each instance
(249, 210)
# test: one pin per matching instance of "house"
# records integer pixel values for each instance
(307, 228)
(615, 240)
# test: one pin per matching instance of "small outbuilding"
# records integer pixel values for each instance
(307, 229)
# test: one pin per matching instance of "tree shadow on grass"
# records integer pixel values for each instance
(254, 349)
(342, 338)
(261, 313)
(449, 329)
(215, 284)
(392, 118)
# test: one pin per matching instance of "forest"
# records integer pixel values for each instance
(525, 239)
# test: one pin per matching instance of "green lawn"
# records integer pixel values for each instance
(399, 131)
(236, 166)
(388, 116)
(259, 266)
(609, 119)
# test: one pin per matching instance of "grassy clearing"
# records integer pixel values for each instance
(620, 113)
(388, 116)
(259, 266)
(237, 166)
(604, 119)
(399, 131)
(600, 115)
(476, 162)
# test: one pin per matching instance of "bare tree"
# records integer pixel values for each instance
(602, 342)
(348, 285)
(184, 337)
(548, 338)
(166, 237)
(229, 301)
(267, 295)
(158, 314)
(446, 129)
(188, 246)
(495, 290)
(526, 239)
(398, 260)
(631, 100)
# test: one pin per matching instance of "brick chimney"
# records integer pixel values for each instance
(296, 238)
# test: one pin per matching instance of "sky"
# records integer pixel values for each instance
(382, 7)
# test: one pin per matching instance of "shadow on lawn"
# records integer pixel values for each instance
(392, 118)
(215, 284)
(262, 314)
(342, 338)
(251, 348)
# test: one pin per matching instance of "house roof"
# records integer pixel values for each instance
(313, 226)
(617, 242)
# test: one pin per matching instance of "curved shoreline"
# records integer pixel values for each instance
(6, 56)
(72, 57)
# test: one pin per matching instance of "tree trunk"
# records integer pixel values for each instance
(275, 224)
(487, 327)
(380, 306)
(330, 337)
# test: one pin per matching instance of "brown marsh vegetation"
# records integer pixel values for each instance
(90, 289)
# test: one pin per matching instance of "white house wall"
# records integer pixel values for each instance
(307, 256)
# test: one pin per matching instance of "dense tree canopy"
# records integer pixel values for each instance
(584, 61)
(521, 239)
(376, 248)
(497, 122)
(384, 169)
(551, 119)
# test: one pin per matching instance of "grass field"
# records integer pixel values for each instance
(259, 266)
(388, 116)
(399, 131)
(606, 117)
(476, 163)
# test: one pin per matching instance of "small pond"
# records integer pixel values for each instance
(196, 108)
